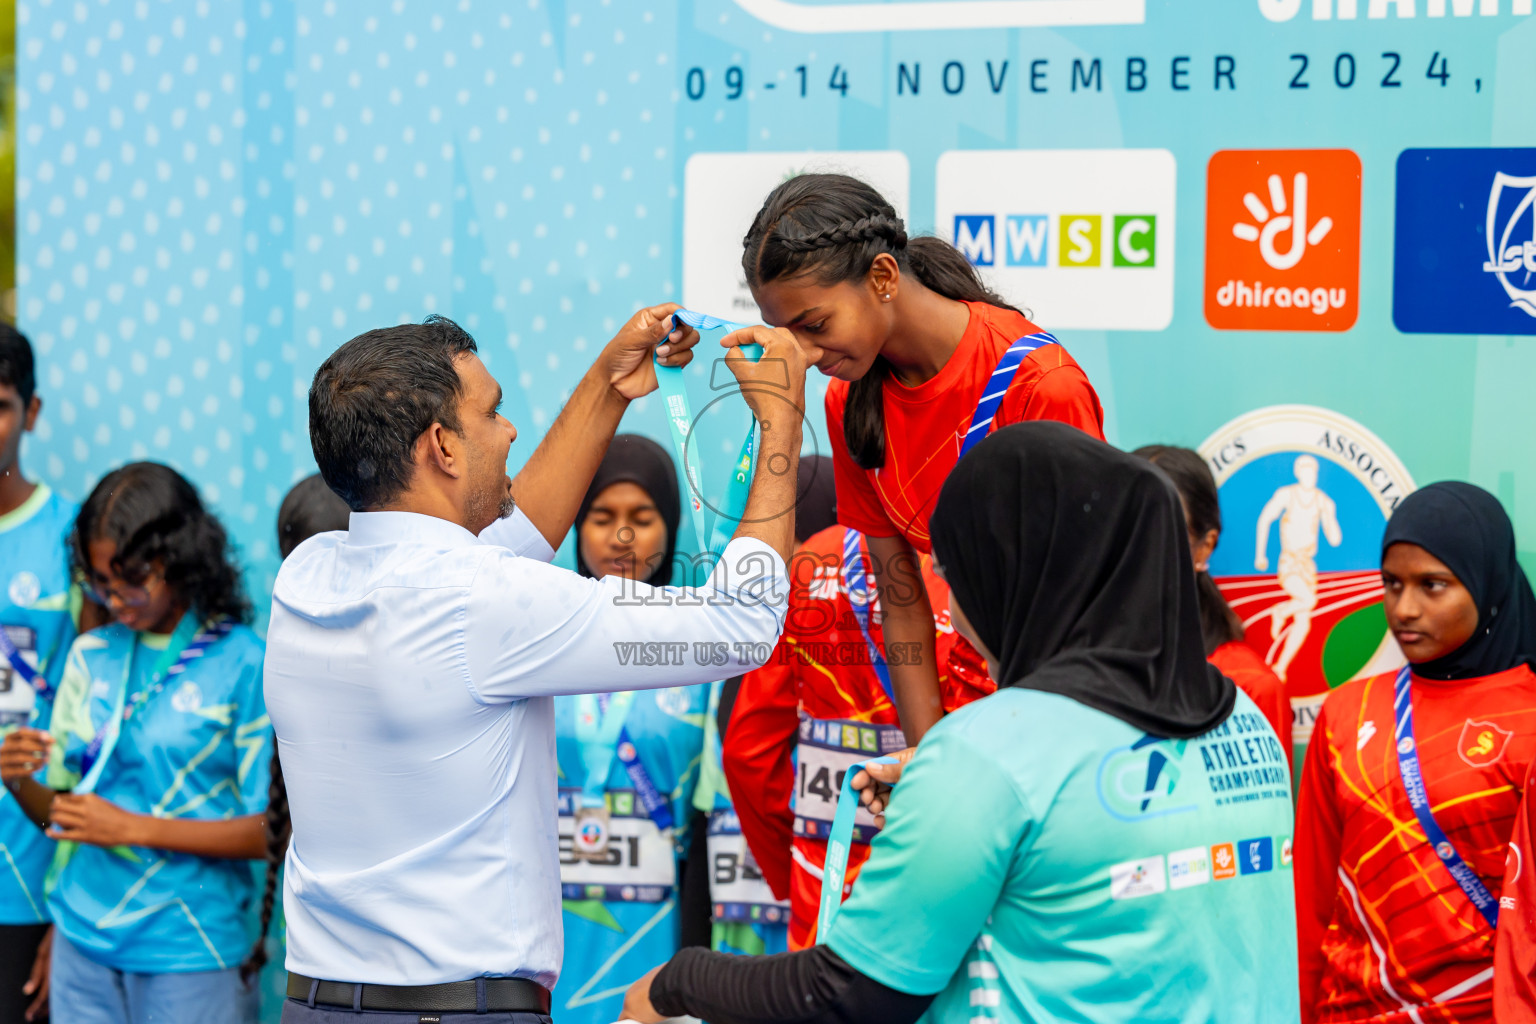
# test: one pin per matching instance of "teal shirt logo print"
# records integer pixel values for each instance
(1139, 782)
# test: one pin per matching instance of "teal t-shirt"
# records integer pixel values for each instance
(38, 609)
(1043, 861)
(611, 942)
(199, 748)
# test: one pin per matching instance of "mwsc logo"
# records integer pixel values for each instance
(1026, 240)
(1083, 238)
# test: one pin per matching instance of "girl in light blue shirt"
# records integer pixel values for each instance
(158, 757)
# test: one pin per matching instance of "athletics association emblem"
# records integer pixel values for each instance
(1305, 496)
(1482, 743)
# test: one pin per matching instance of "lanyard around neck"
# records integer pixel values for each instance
(862, 596)
(998, 384)
(599, 731)
(1413, 784)
(185, 644)
(13, 655)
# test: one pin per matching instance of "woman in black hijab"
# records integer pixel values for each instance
(627, 523)
(1463, 713)
(1050, 850)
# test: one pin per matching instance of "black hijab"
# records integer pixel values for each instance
(638, 460)
(1071, 562)
(1466, 528)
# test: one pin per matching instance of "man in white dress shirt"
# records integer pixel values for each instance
(412, 661)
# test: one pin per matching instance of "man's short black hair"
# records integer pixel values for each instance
(374, 397)
(16, 367)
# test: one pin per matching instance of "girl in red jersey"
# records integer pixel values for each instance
(1413, 779)
(823, 699)
(1223, 630)
(915, 344)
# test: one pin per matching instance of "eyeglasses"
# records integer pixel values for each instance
(109, 594)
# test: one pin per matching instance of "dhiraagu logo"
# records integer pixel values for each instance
(1081, 237)
(1141, 781)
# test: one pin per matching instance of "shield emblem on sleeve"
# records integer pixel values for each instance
(1482, 743)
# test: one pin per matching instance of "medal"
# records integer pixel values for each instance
(591, 839)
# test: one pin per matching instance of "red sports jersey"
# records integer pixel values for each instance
(1242, 664)
(1386, 935)
(925, 425)
(819, 672)
(1514, 962)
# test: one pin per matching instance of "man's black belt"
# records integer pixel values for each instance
(482, 995)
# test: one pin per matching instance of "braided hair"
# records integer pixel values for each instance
(279, 829)
(309, 508)
(831, 227)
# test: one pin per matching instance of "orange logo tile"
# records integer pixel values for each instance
(1282, 240)
(1223, 861)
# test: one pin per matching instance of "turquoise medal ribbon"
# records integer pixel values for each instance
(674, 392)
(597, 732)
(835, 867)
(186, 643)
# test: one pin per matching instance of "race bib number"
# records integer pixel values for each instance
(17, 698)
(641, 863)
(736, 886)
(827, 748)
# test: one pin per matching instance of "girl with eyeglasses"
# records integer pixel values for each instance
(157, 767)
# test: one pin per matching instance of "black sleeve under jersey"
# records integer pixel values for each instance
(814, 986)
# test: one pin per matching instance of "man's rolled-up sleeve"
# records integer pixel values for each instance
(535, 630)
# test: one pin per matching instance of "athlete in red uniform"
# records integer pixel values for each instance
(1514, 962)
(912, 338)
(1223, 630)
(821, 692)
(1395, 926)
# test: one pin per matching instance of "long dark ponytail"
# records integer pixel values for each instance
(1189, 473)
(279, 829)
(832, 227)
(311, 507)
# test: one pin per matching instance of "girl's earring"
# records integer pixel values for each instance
(886, 296)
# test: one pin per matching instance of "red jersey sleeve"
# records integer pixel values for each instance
(858, 506)
(1058, 390)
(1317, 844)
(1243, 666)
(756, 756)
(1514, 967)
